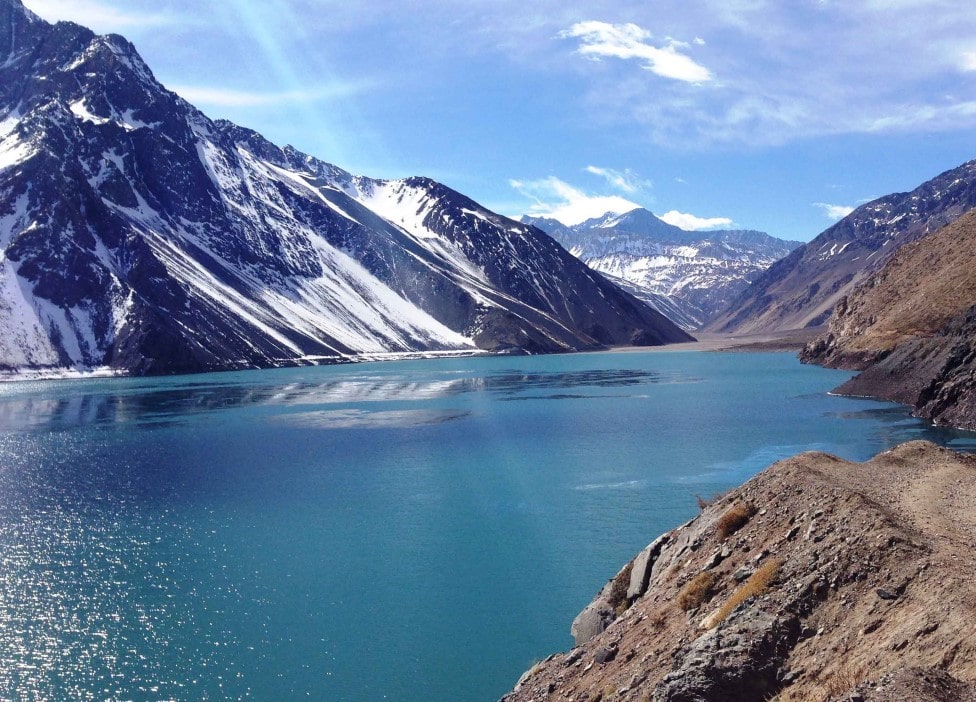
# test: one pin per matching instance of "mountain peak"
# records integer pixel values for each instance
(145, 237)
(636, 221)
(697, 271)
(14, 17)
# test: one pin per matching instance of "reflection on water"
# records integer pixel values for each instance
(897, 425)
(360, 419)
(64, 405)
(287, 534)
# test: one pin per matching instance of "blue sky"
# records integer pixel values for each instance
(777, 116)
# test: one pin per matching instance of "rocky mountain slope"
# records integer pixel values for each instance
(801, 290)
(923, 286)
(911, 328)
(139, 235)
(818, 580)
(698, 272)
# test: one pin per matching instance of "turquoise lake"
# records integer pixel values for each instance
(402, 531)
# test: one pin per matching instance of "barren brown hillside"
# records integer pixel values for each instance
(817, 580)
(922, 287)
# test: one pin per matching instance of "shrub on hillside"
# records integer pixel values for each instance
(733, 519)
(696, 591)
(756, 585)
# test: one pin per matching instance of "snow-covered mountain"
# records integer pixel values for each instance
(137, 234)
(688, 276)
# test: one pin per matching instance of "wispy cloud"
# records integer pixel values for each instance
(626, 181)
(224, 97)
(101, 17)
(778, 73)
(834, 212)
(559, 200)
(629, 41)
(913, 117)
(693, 223)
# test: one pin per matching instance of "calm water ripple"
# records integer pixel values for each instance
(396, 531)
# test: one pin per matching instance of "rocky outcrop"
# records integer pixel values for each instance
(817, 580)
(935, 375)
(802, 289)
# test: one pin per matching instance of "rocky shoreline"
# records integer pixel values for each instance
(817, 580)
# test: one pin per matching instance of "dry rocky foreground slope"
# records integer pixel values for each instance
(817, 580)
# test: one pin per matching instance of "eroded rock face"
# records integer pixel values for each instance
(740, 661)
(935, 375)
(868, 573)
(910, 329)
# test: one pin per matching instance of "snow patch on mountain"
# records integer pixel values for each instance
(697, 272)
(137, 234)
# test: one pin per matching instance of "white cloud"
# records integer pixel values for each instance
(626, 181)
(629, 41)
(99, 16)
(834, 212)
(692, 223)
(780, 73)
(559, 200)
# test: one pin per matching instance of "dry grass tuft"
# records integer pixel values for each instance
(756, 585)
(618, 591)
(836, 685)
(658, 620)
(696, 591)
(734, 518)
(842, 681)
(702, 502)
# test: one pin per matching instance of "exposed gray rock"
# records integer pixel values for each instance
(605, 654)
(592, 621)
(738, 661)
(640, 576)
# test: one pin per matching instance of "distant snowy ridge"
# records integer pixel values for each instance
(138, 235)
(688, 276)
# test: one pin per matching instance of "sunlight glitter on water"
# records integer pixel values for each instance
(403, 530)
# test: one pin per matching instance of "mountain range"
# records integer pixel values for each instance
(802, 289)
(689, 276)
(139, 235)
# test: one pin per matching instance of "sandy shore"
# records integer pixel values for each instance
(788, 340)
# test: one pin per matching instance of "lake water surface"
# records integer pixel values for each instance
(404, 531)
